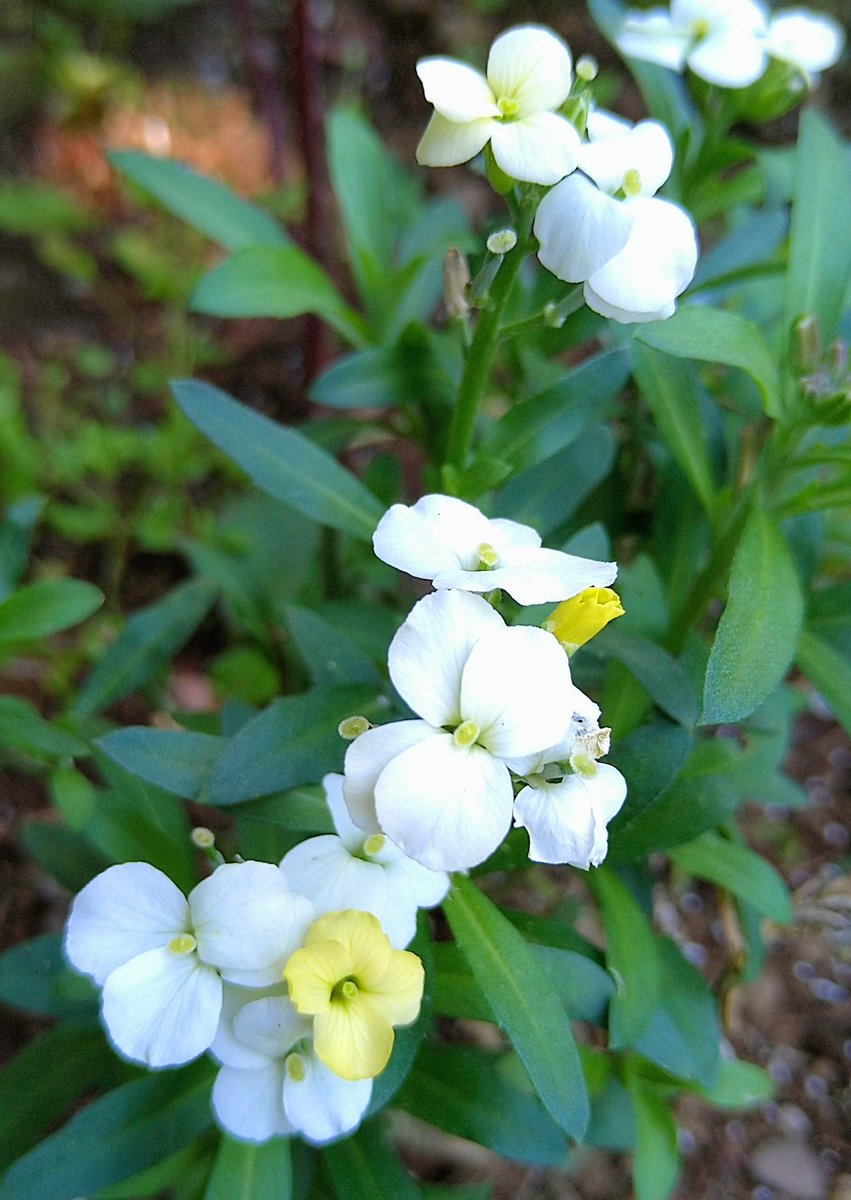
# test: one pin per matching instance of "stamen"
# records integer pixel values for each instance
(184, 943)
(507, 107)
(352, 727)
(632, 182)
(488, 557)
(374, 844)
(583, 764)
(295, 1068)
(466, 734)
(701, 27)
(349, 990)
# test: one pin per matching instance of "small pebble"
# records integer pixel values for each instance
(795, 1120)
(696, 954)
(779, 1070)
(762, 1193)
(804, 971)
(839, 757)
(686, 1141)
(691, 902)
(835, 834)
(826, 989)
(816, 1087)
(735, 1131)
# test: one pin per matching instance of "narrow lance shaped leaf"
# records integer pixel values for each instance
(520, 992)
(245, 1171)
(740, 870)
(203, 203)
(630, 956)
(281, 461)
(758, 631)
(44, 608)
(829, 671)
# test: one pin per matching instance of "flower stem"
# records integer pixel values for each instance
(479, 361)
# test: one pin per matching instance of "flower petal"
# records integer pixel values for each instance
(124, 911)
(427, 655)
(540, 148)
(646, 150)
(435, 533)
(811, 41)
(543, 576)
(580, 229)
(730, 58)
(653, 37)
(321, 1105)
(162, 1008)
(566, 821)
(226, 1047)
(350, 835)
(532, 67)
(354, 1038)
(246, 918)
(517, 688)
(250, 1104)
(656, 264)
(450, 143)
(625, 315)
(446, 806)
(427, 887)
(323, 869)
(458, 92)
(366, 758)
(270, 1026)
(313, 972)
(399, 991)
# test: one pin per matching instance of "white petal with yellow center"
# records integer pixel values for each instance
(458, 92)
(531, 66)
(542, 147)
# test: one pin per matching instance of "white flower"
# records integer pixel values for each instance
(453, 544)
(810, 41)
(528, 78)
(567, 819)
(271, 1081)
(722, 41)
(161, 958)
(440, 787)
(635, 255)
(370, 873)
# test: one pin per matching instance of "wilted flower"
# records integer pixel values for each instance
(528, 78)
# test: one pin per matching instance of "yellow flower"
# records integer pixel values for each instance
(356, 987)
(577, 620)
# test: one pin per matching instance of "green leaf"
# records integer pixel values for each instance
(275, 281)
(329, 655)
(830, 673)
(281, 461)
(630, 956)
(173, 759)
(117, 1136)
(34, 1095)
(739, 869)
(385, 376)
(668, 386)
(244, 1171)
(684, 1033)
(758, 631)
(549, 493)
(25, 729)
(657, 1156)
(535, 429)
(740, 1085)
(203, 203)
(65, 855)
(293, 741)
(35, 977)
(303, 809)
(819, 245)
(711, 335)
(145, 645)
(656, 670)
(464, 1092)
(523, 1001)
(16, 533)
(650, 759)
(44, 608)
(365, 1165)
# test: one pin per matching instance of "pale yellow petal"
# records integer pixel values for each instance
(313, 972)
(399, 992)
(353, 1038)
(364, 940)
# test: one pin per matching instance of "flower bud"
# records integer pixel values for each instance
(352, 727)
(580, 618)
(456, 276)
(587, 68)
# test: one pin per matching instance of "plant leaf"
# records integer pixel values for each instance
(524, 1004)
(630, 956)
(41, 609)
(281, 461)
(174, 759)
(828, 670)
(739, 869)
(245, 1171)
(758, 631)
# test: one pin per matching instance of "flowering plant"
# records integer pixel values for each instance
(478, 598)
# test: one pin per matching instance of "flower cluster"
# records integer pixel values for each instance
(500, 731)
(287, 975)
(603, 228)
(731, 43)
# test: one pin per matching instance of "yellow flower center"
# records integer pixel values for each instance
(632, 182)
(357, 988)
(295, 1068)
(487, 557)
(466, 734)
(184, 943)
(701, 27)
(577, 620)
(508, 107)
(374, 844)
